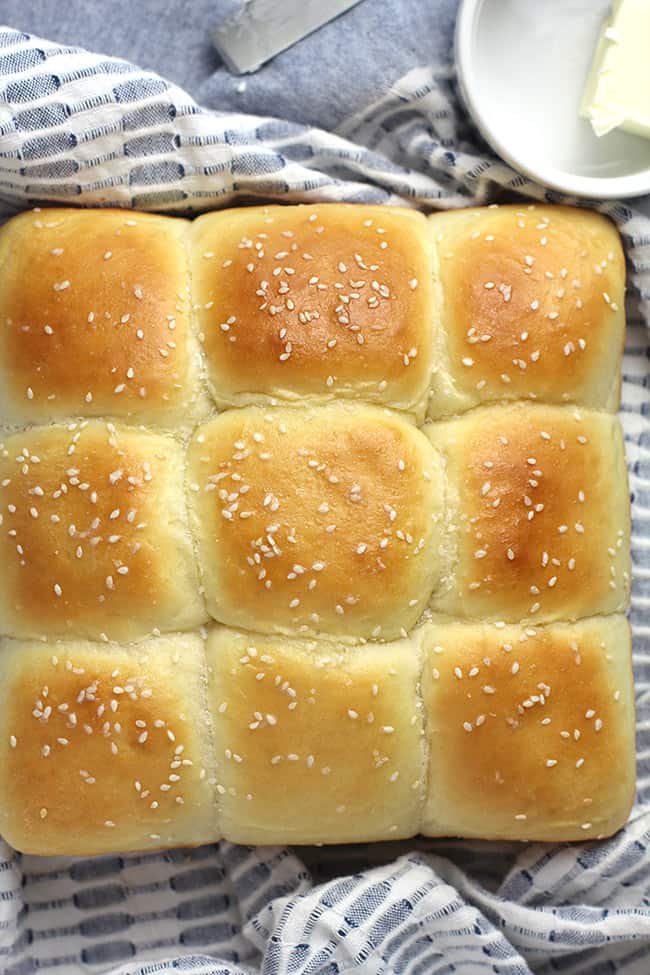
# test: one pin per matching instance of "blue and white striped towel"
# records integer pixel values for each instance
(85, 129)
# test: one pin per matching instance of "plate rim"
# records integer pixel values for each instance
(592, 187)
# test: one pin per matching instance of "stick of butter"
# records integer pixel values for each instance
(617, 93)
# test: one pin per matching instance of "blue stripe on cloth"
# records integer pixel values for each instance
(75, 127)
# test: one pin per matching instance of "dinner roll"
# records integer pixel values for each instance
(312, 303)
(315, 742)
(532, 307)
(319, 520)
(530, 730)
(538, 516)
(105, 747)
(95, 315)
(94, 539)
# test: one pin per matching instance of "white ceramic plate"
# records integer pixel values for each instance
(522, 65)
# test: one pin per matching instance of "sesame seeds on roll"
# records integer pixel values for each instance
(538, 514)
(315, 741)
(94, 540)
(532, 307)
(95, 319)
(304, 517)
(530, 729)
(105, 747)
(315, 303)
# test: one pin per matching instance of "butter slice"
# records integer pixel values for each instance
(617, 93)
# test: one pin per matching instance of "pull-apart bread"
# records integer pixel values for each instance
(314, 527)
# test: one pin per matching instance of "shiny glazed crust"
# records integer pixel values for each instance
(303, 515)
(532, 307)
(105, 747)
(315, 303)
(94, 538)
(96, 319)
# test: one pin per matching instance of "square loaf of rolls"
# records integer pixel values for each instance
(314, 527)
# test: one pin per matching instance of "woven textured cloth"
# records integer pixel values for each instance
(79, 128)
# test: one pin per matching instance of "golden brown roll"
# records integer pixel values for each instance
(537, 511)
(532, 307)
(314, 303)
(319, 520)
(95, 316)
(94, 539)
(530, 731)
(315, 742)
(105, 747)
